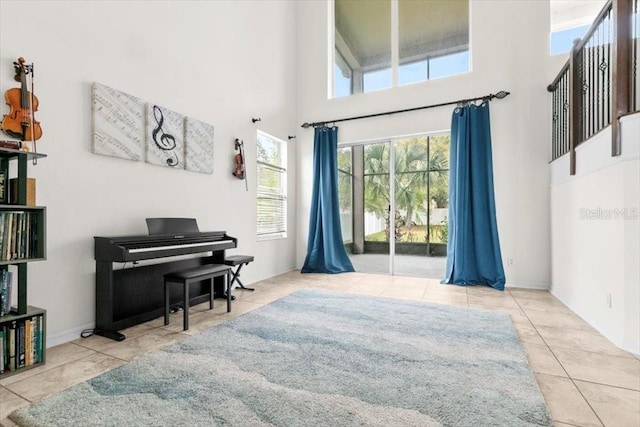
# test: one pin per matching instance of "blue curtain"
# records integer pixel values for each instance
(473, 247)
(325, 250)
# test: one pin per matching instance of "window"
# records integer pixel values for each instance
(562, 41)
(570, 20)
(272, 187)
(341, 77)
(432, 40)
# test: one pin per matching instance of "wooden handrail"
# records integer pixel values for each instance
(554, 83)
(583, 41)
(600, 81)
(596, 22)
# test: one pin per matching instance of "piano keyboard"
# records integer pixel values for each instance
(187, 245)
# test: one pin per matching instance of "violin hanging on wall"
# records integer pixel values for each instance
(20, 123)
(240, 171)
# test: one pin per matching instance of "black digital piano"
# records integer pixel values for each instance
(130, 272)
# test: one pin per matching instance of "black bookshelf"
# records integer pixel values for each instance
(22, 240)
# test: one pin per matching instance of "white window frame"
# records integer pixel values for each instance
(275, 232)
(357, 75)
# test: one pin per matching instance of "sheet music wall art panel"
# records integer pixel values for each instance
(118, 123)
(198, 141)
(165, 137)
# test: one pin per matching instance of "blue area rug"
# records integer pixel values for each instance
(319, 358)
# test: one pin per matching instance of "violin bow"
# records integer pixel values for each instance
(33, 134)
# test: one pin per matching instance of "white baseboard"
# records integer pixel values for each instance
(68, 335)
(74, 333)
(529, 285)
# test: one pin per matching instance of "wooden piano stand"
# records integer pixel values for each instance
(240, 261)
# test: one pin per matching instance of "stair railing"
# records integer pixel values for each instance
(599, 82)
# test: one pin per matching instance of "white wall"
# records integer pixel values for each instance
(221, 62)
(595, 224)
(509, 50)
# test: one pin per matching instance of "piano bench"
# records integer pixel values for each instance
(195, 274)
(240, 261)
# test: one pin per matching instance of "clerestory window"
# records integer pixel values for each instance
(379, 44)
(570, 20)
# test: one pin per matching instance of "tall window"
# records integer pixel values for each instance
(272, 187)
(431, 41)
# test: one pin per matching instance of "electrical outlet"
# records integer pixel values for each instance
(509, 261)
(609, 299)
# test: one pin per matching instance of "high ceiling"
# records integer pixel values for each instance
(573, 13)
(434, 25)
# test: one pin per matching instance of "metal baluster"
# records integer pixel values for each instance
(609, 41)
(565, 112)
(594, 93)
(556, 117)
(634, 34)
(562, 101)
(553, 124)
(601, 68)
(601, 94)
(590, 92)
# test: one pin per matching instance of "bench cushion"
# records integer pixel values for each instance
(202, 270)
(238, 259)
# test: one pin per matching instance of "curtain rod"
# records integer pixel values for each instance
(499, 95)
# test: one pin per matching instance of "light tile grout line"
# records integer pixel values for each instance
(151, 328)
(561, 365)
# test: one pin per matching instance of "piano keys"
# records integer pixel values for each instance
(129, 296)
(135, 248)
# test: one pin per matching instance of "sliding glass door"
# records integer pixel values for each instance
(421, 200)
(400, 228)
(377, 204)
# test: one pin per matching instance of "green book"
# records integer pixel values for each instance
(2, 347)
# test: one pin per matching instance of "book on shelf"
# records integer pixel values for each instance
(34, 340)
(18, 235)
(31, 191)
(12, 346)
(22, 343)
(2, 350)
(14, 145)
(6, 285)
(27, 342)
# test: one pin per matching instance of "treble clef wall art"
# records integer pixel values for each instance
(125, 126)
(165, 137)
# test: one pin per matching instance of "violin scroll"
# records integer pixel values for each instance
(18, 66)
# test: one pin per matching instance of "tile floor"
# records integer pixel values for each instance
(585, 379)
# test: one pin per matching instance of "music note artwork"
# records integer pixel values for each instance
(198, 141)
(118, 123)
(165, 137)
(123, 127)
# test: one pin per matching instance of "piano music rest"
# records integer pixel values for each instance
(195, 274)
(240, 261)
